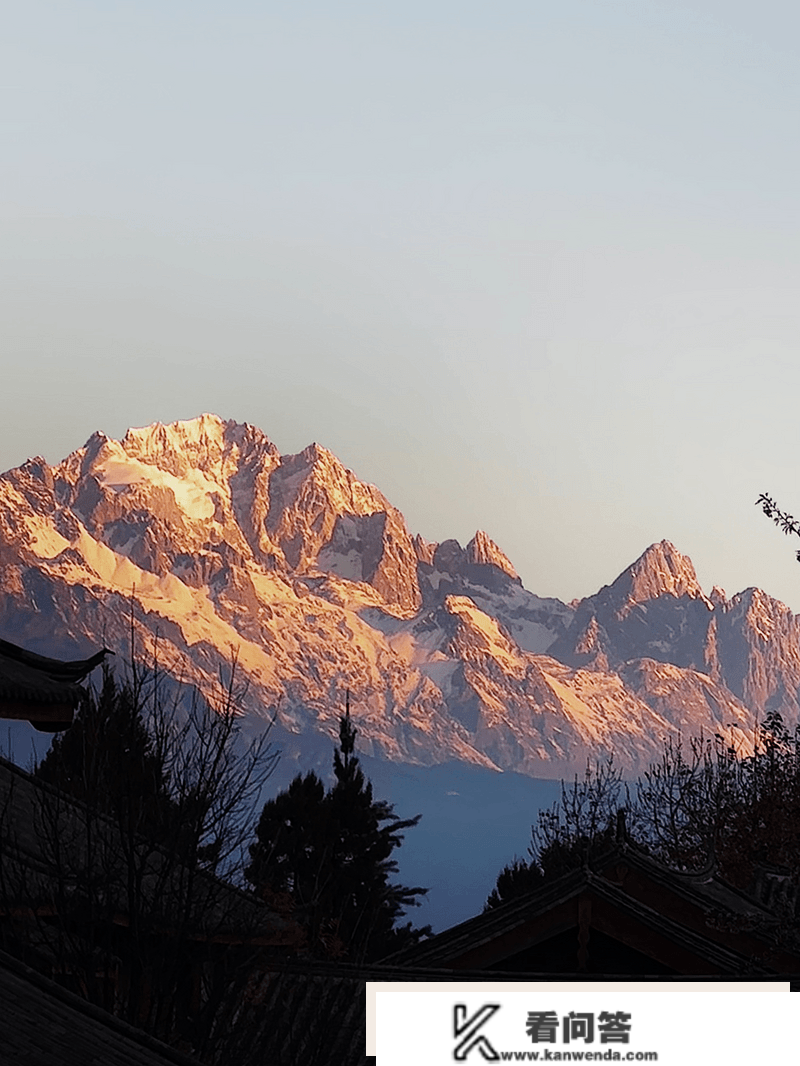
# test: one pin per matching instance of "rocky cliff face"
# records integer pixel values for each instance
(202, 540)
(749, 645)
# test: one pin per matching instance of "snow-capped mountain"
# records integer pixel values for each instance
(208, 543)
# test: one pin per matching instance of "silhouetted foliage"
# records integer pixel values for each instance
(143, 842)
(331, 852)
(516, 879)
(565, 836)
(108, 760)
(705, 807)
(782, 519)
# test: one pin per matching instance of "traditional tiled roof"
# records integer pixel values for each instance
(696, 920)
(290, 1012)
(304, 1012)
(43, 1024)
(22, 683)
(66, 672)
(43, 691)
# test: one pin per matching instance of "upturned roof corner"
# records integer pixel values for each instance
(41, 690)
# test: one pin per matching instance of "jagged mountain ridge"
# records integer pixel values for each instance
(210, 542)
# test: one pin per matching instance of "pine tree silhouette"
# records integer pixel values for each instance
(107, 760)
(331, 853)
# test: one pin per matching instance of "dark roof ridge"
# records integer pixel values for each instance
(570, 884)
(631, 848)
(627, 850)
(77, 1003)
(691, 879)
(679, 933)
(563, 887)
(68, 671)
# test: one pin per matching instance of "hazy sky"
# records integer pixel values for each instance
(531, 267)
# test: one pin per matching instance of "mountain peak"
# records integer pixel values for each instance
(661, 570)
(178, 446)
(218, 542)
(197, 430)
(482, 551)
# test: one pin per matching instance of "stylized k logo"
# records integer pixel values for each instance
(467, 1029)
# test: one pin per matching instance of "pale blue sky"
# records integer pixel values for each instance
(530, 267)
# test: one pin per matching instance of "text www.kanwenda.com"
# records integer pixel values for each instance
(578, 1056)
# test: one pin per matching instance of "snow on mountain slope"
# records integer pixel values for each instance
(748, 646)
(211, 544)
